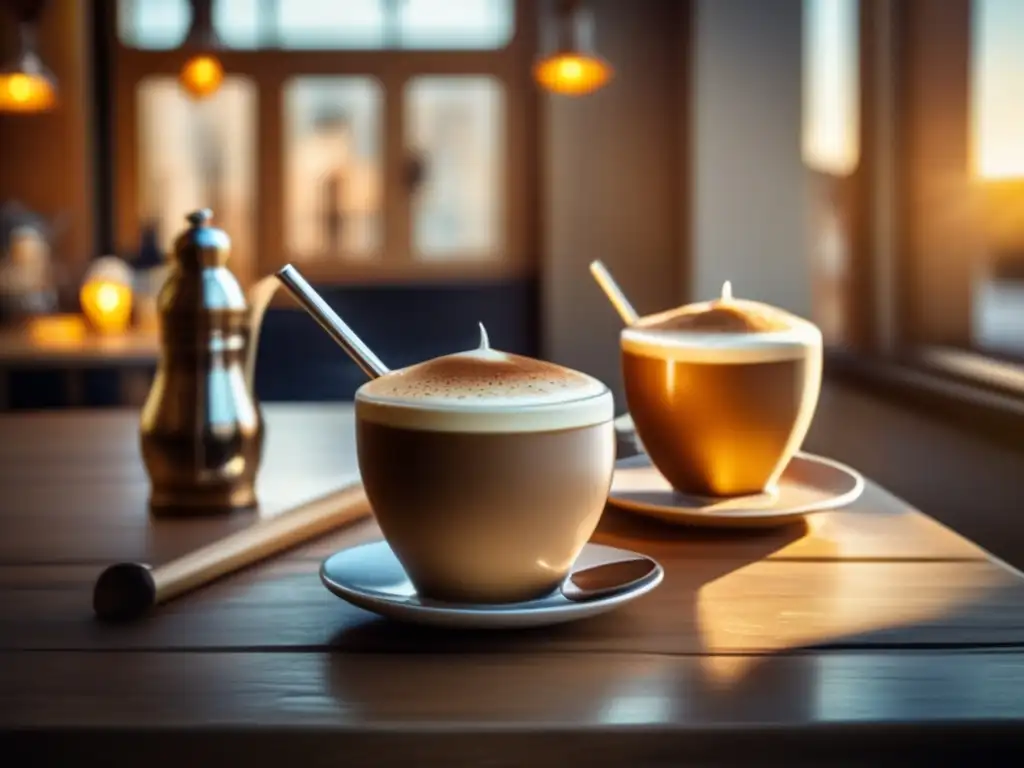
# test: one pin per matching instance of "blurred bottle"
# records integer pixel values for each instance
(26, 279)
(151, 267)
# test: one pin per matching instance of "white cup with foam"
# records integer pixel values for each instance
(487, 472)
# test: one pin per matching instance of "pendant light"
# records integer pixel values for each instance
(571, 68)
(26, 85)
(202, 74)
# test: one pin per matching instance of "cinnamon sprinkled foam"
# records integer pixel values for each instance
(724, 330)
(485, 390)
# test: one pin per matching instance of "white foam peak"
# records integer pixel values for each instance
(792, 339)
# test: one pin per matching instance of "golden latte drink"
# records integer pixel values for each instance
(722, 393)
(486, 471)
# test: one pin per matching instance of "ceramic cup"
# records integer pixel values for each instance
(487, 472)
(722, 393)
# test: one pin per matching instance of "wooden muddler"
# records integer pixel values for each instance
(127, 590)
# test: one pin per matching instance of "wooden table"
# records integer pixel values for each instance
(868, 634)
(126, 353)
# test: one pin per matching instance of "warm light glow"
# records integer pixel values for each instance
(763, 608)
(23, 92)
(57, 330)
(727, 290)
(108, 306)
(106, 295)
(572, 74)
(202, 76)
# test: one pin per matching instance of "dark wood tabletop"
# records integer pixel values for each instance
(870, 633)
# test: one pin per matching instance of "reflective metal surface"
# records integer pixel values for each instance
(609, 579)
(371, 577)
(338, 329)
(202, 432)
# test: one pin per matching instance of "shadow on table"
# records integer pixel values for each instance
(531, 670)
(678, 653)
(741, 545)
(662, 620)
(531, 678)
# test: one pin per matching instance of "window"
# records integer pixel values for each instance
(997, 90)
(996, 154)
(325, 24)
(925, 225)
(454, 135)
(831, 152)
(333, 138)
(831, 125)
(355, 138)
(197, 154)
(962, 256)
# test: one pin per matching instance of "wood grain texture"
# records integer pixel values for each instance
(872, 632)
(310, 451)
(425, 709)
(342, 690)
(703, 606)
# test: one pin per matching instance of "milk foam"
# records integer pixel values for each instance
(485, 390)
(771, 334)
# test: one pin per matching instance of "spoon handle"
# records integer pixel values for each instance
(610, 579)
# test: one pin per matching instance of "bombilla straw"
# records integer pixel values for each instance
(613, 292)
(336, 328)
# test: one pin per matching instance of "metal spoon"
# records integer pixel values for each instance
(611, 578)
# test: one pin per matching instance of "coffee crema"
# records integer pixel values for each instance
(485, 390)
(723, 330)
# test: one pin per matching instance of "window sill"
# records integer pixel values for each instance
(976, 394)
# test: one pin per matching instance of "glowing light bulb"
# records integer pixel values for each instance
(570, 69)
(19, 87)
(23, 92)
(572, 74)
(202, 76)
(106, 296)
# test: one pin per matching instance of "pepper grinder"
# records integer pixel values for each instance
(201, 429)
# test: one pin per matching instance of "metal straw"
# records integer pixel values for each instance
(336, 328)
(613, 292)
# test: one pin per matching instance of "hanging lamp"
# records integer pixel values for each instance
(571, 67)
(202, 74)
(26, 85)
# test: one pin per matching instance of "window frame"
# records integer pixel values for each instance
(852, 200)
(269, 70)
(901, 358)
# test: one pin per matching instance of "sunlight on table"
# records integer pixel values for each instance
(771, 606)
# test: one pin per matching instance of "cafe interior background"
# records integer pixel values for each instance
(860, 163)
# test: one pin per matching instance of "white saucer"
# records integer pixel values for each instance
(370, 576)
(809, 484)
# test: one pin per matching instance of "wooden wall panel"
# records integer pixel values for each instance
(46, 159)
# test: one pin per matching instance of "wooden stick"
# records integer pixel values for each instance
(128, 590)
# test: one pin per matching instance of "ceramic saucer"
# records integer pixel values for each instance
(370, 576)
(809, 484)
